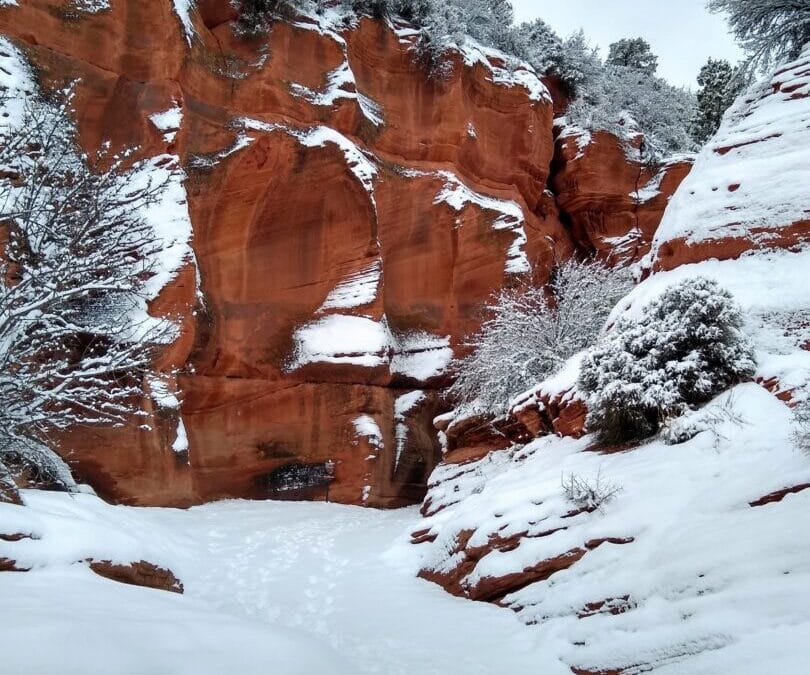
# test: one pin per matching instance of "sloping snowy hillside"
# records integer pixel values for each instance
(748, 188)
(693, 561)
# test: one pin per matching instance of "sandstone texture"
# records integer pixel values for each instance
(349, 216)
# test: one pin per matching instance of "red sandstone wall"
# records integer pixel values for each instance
(278, 225)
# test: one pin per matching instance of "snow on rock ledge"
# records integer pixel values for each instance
(748, 188)
(304, 217)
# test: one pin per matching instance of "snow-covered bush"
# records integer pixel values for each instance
(532, 331)
(771, 31)
(74, 336)
(801, 417)
(255, 16)
(590, 494)
(631, 103)
(685, 348)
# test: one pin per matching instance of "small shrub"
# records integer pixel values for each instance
(686, 348)
(532, 331)
(801, 433)
(591, 495)
(255, 16)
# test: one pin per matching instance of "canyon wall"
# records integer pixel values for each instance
(350, 217)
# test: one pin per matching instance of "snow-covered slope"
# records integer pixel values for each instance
(748, 188)
(696, 564)
(270, 588)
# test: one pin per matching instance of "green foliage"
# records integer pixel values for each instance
(771, 31)
(633, 53)
(720, 84)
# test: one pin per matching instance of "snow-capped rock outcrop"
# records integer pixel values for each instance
(748, 188)
(645, 577)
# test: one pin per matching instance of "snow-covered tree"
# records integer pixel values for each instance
(531, 331)
(634, 105)
(580, 66)
(720, 83)
(685, 348)
(255, 16)
(538, 44)
(771, 31)
(74, 335)
(633, 53)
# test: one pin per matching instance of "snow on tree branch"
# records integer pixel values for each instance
(531, 331)
(78, 254)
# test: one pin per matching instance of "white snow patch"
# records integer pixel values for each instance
(421, 355)
(340, 83)
(342, 339)
(366, 426)
(169, 122)
(649, 190)
(356, 290)
(512, 74)
(183, 10)
(752, 175)
(168, 216)
(457, 195)
(87, 6)
(562, 385)
(362, 341)
(699, 549)
(582, 137)
(360, 164)
(270, 587)
(180, 444)
(371, 109)
(402, 406)
(160, 389)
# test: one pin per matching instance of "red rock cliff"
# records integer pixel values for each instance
(349, 219)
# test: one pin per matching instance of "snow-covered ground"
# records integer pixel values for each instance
(269, 588)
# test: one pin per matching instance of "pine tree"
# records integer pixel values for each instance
(633, 53)
(541, 47)
(720, 84)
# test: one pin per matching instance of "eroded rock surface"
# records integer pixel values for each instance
(350, 217)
